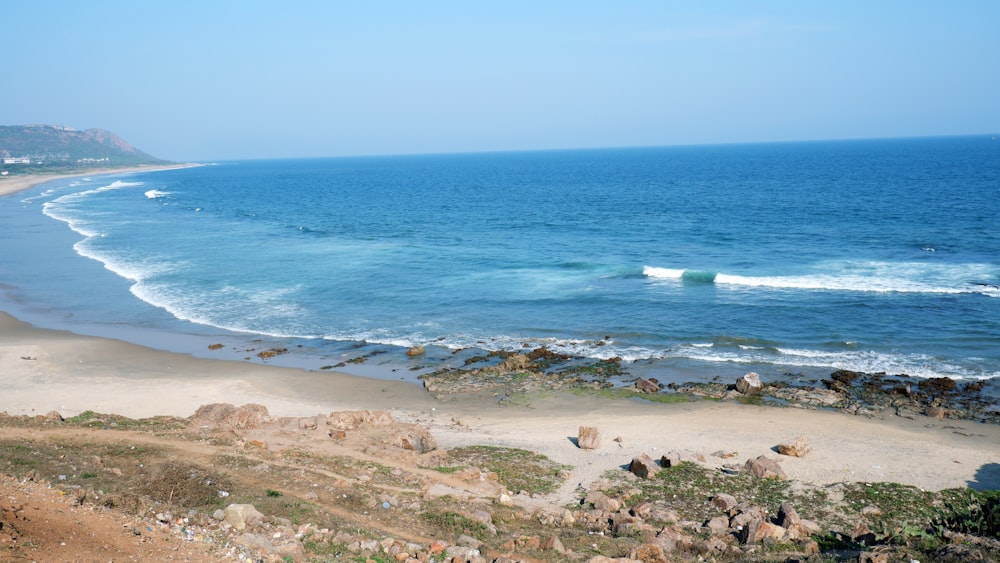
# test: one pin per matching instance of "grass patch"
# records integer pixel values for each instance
(688, 489)
(455, 524)
(516, 469)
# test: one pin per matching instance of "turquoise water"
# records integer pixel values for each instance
(878, 255)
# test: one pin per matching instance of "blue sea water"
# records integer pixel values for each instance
(800, 258)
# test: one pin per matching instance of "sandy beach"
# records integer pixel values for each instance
(43, 371)
(13, 184)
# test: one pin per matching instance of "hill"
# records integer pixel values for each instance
(32, 148)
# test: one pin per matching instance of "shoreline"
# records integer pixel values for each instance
(13, 184)
(44, 370)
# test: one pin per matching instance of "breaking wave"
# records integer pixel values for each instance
(875, 277)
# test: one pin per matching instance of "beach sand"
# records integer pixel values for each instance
(13, 184)
(44, 370)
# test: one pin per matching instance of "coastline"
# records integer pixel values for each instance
(10, 185)
(44, 370)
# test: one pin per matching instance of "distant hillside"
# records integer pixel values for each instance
(53, 146)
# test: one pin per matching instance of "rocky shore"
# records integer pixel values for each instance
(504, 375)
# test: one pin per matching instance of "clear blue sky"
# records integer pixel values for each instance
(212, 80)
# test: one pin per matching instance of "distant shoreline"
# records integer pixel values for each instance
(10, 185)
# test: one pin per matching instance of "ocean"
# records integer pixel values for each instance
(787, 259)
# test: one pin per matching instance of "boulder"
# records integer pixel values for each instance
(553, 543)
(724, 502)
(647, 386)
(240, 516)
(415, 351)
(603, 502)
(796, 448)
(417, 439)
(749, 384)
(765, 468)
(759, 532)
(936, 413)
(718, 525)
(643, 466)
(787, 516)
(650, 553)
(588, 438)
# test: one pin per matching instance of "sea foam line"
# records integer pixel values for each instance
(827, 282)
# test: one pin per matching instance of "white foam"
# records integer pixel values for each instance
(866, 361)
(864, 276)
(154, 194)
(662, 273)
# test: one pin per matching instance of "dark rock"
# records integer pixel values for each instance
(643, 466)
(647, 386)
(937, 385)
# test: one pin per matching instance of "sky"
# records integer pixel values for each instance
(219, 80)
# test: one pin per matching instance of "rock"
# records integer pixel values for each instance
(603, 502)
(649, 553)
(246, 417)
(54, 416)
(718, 525)
(240, 516)
(764, 467)
(787, 516)
(469, 541)
(588, 438)
(796, 448)
(724, 502)
(308, 423)
(863, 534)
(675, 457)
(415, 351)
(758, 532)
(937, 385)
(749, 384)
(417, 439)
(936, 413)
(553, 543)
(461, 553)
(869, 557)
(802, 529)
(871, 510)
(646, 386)
(352, 420)
(643, 466)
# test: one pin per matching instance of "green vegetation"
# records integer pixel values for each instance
(516, 469)
(455, 524)
(971, 512)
